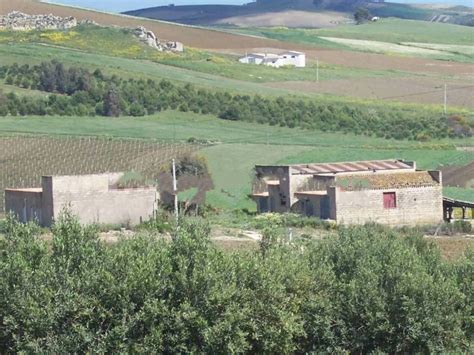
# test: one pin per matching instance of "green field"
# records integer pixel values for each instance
(238, 146)
(387, 30)
(115, 43)
(397, 30)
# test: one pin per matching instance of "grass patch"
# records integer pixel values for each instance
(398, 30)
(121, 43)
(388, 30)
(180, 126)
(460, 193)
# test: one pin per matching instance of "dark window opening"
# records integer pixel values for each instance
(389, 200)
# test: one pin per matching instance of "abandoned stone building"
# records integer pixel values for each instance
(391, 192)
(92, 198)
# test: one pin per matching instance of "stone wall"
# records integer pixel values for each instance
(18, 21)
(415, 206)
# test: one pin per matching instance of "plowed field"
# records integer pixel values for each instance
(404, 89)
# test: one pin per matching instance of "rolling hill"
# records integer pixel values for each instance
(190, 36)
(301, 13)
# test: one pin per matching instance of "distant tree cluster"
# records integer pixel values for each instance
(365, 290)
(361, 15)
(77, 92)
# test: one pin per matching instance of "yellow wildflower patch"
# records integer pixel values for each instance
(58, 36)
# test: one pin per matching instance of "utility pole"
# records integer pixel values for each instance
(175, 193)
(445, 99)
(317, 70)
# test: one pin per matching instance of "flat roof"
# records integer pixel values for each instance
(311, 193)
(348, 167)
(26, 189)
(263, 55)
(292, 52)
(273, 182)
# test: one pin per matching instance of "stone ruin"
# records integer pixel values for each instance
(149, 38)
(18, 21)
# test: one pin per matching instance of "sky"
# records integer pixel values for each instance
(124, 5)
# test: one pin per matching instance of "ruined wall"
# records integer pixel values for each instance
(25, 204)
(280, 173)
(18, 21)
(415, 206)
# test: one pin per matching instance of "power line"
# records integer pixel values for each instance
(425, 92)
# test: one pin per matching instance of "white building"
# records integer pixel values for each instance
(290, 58)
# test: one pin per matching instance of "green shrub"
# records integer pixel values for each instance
(368, 290)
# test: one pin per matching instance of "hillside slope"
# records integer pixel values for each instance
(190, 36)
(300, 13)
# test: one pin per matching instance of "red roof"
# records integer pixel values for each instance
(349, 167)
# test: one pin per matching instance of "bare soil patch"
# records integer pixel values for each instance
(453, 248)
(458, 176)
(290, 18)
(404, 89)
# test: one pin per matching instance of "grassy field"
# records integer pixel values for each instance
(119, 53)
(433, 40)
(31, 53)
(397, 30)
(114, 42)
(239, 146)
(434, 51)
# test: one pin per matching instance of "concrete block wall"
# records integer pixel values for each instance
(93, 201)
(127, 207)
(415, 206)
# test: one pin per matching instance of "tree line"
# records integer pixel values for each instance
(367, 290)
(75, 91)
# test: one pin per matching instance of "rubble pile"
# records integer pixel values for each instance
(18, 21)
(149, 38)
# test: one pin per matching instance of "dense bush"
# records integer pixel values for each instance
(368, 290)
(77, 92)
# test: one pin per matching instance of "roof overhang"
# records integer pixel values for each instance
(311, 193)
(260, 194)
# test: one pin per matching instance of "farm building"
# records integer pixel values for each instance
(390, 192)
(290, 58)
(92, 198)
